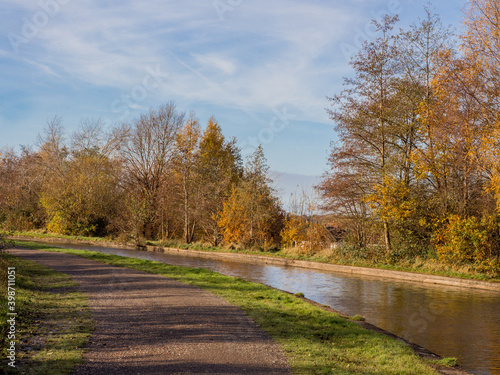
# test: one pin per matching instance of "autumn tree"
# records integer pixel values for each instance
(20, 186)
(455, 120)
(81, 189)
(147, 154)
(343, 190)
(382, 133)
(464, 114)
(258, 193)
(481, 49)
(218, 168)
(252, 216)
(363, 113)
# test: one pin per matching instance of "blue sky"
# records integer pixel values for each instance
(262, 68)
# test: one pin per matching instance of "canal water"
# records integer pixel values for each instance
(450, 321)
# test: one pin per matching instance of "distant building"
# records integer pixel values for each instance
(336, 234)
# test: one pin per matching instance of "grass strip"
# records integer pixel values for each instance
(53, 322)
(316, 341)
(43, 235)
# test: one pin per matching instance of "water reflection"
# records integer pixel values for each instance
(453, 322)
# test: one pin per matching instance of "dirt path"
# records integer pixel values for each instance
(149, 324)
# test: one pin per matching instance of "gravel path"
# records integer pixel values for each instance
(149, 324)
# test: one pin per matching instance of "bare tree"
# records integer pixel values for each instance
(51, 146)
(92, 137)
(188, 140)
(147, 153)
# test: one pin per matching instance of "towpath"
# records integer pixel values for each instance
(150, 324)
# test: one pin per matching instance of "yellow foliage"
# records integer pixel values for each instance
(469, 240)
(390, 200)
(81, 198)
(308, 236)
(232, 219)
(294, 232)
(57, 224)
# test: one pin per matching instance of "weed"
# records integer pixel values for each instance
(446, 362)
(358, 318)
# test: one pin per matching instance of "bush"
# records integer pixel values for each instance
(301, 233)
(470, 241)
(4, 242)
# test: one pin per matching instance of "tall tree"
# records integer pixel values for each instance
(257, 184)
(219, 168)
(252, 215)
(363, 113)
(187, 143)
(81, 196)
(147, 154)
(382, 132)
(481, 49)
(420, 184)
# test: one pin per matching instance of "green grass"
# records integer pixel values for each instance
(316, 341)
(53, 322)
(43, 234)
(447, 362)
(358, 318)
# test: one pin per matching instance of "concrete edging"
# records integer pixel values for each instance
(262, 259)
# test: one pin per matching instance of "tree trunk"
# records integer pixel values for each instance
(387, 237)
(187, 237)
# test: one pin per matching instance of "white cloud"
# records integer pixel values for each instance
(214, 61)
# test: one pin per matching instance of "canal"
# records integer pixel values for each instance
(450, 321)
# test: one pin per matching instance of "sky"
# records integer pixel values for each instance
(263, 68)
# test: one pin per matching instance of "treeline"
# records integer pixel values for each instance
(416, 170)
(160, 177)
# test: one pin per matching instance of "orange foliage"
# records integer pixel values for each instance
(232, 219)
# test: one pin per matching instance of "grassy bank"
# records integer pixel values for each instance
(317, 341)
(53, 322)
(343, 256)
(45, 235)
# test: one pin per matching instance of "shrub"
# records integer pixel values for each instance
(470, 240)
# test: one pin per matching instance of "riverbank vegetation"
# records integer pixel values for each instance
(315, 340)
(413, 181)
(53, 320)
(416, 168)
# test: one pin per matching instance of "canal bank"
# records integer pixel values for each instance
(451, 321)
(270, 260)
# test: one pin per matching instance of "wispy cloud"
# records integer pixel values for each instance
(212, 61)
(272, 46)
(92, 54)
